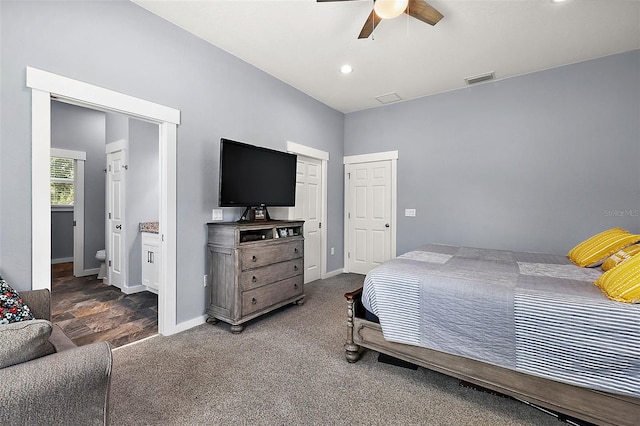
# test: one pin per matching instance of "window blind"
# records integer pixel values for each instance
(61, 173)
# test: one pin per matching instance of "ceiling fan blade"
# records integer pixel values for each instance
(369, 25)
(423, 11)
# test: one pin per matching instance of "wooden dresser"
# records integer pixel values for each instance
(253, 268)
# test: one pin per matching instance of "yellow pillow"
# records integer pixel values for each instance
(620, 256)
(594, 251)
(622, 283)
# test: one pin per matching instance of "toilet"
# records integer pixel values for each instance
(101, 256)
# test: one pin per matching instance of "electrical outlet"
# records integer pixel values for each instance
(216, 214)
(410, 212)
(205, 280)
(333, 251)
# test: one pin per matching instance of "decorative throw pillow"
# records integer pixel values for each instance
(620, 256)
(12, 308)
(593, 251)
(622, 283)
(23, 341)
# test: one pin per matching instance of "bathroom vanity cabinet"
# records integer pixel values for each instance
(151, 261)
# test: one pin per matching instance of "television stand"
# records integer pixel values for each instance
(255, 214)
(253, 268)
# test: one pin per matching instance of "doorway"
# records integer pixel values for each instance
(67, 208)
(99, 303)
(311, 206)
(370, 210)
(46, 86)
(116, 247)
(308, 208)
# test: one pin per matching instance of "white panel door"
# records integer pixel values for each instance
(369, 215)
(309, 208)
(116, 259)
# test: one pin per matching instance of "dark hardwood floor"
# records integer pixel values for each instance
(90, 311)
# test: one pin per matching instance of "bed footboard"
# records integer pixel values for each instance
(582, 403)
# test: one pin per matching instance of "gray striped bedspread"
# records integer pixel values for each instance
(531, 312)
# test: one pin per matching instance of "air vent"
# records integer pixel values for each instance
(388, 98)
(480, 78)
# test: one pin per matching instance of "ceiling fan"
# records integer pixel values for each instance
(388, 9)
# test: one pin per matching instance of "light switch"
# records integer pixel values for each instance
(410, 212)
(216, 214)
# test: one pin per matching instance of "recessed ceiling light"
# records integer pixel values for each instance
(346, 69)
(558, 1)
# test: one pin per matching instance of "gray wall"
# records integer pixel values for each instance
(121, 46)
(61, 235)
(537, 162)
(143, 189)
(82, 129)
(117, 127)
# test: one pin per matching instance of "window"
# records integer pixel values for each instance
(62, 177)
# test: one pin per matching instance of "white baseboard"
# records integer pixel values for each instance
(133, 289)
(334, 273)
(61, 260)
(88, 272)
(186, 325)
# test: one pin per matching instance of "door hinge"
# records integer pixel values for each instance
(348, 175)
(74, 223)
(109, 215)
(109, 263)
(319, 225)
(349, 215)
(348, 255)
(109, 167)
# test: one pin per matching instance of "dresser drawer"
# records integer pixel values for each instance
(265, 296)
(257, 256)
(267, 274)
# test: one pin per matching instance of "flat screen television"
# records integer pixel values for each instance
(255, 177)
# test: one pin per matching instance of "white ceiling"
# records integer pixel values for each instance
(304, 43)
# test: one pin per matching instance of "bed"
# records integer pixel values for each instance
(529, 325)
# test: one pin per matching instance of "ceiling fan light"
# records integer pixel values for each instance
(388, 9)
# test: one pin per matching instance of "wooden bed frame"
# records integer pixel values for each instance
(582, 403)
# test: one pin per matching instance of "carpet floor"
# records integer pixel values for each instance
(288, 368)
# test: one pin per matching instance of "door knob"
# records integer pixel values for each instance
(386, 225)
(118, 226)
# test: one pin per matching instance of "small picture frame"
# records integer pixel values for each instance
(259, 214)
(290, 232)
(282, 232)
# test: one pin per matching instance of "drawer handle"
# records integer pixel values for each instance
(295, 250)
(295, 267)
(295, 286)
(254, 259)
(254, 279)
(254, 301)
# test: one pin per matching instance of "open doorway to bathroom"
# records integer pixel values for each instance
(111, 304)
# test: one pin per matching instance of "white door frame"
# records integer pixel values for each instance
(368, 158)
(323, 156)
(45, 85)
